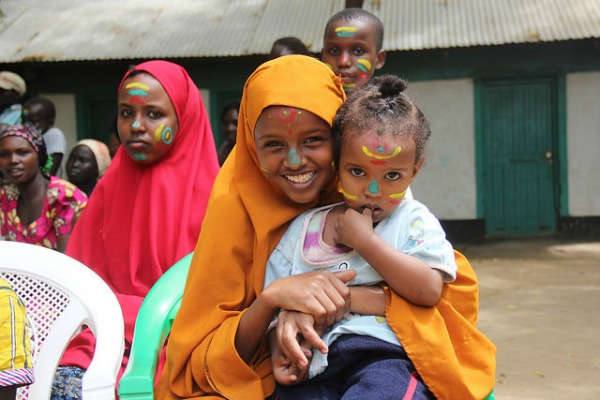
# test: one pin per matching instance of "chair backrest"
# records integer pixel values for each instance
(61, 296)
(152, 326)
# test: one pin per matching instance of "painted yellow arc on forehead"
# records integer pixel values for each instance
(348, 195)
(137, 85)
(345, 29)
(368, 153)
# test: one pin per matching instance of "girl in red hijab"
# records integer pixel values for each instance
(147, 211)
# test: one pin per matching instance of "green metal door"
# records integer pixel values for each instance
(519, 131)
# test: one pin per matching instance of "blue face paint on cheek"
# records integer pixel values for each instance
(373, 187)
(140, 156)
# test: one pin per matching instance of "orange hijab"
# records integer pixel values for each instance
(245, 219)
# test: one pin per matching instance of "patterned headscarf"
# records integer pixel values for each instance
(35, 140)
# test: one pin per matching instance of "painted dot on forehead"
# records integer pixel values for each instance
(287, 115)
(345, 31)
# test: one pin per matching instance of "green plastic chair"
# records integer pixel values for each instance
(156, 317)
(152, 327)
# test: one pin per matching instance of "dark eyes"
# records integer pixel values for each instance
(392, 176)
(152, 114)
(357, 172)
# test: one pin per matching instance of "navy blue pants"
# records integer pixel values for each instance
(361, 367)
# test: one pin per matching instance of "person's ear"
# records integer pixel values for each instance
(380, 59)
(416, 169)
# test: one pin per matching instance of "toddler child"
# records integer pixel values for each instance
(380, 138)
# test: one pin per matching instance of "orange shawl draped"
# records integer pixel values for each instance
(245, 219)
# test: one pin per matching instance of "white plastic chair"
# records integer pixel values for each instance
(61, 296)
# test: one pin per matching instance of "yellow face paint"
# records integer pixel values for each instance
(397, 195)
(137, 85)
(349, 196)
(364, 65)
(158, 133)
(345, 31)
(368, 153)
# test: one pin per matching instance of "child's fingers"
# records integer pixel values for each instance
(311, 336)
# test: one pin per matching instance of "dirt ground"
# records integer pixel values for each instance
(540, 305)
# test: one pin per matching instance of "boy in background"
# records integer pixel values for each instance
(41, 113)
(353, 46)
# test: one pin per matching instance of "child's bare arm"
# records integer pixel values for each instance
(408, 276)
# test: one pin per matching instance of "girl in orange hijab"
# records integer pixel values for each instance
(280, 167)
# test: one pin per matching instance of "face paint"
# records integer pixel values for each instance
(293, 158)
(163, 135)
(368, 153)
(396, 198)
(345, 31)
(348, 86)
(363, 65)
(287, 116)
(135, 124)
(349, 196)
(137, 89)
(374, 187)
(140, 156)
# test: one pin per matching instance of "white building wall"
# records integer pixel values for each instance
(447, 182)
(583, 143)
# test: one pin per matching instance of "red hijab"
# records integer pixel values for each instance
(141, 219)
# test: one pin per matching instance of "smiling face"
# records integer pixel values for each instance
(82, 166)
(18, 160)
(350, 49)
(147, 120)
(294, 149)
(376, 170)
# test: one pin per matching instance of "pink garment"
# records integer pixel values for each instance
(142, 219)
(62, 204)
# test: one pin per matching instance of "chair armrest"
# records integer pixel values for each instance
(152, 326)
